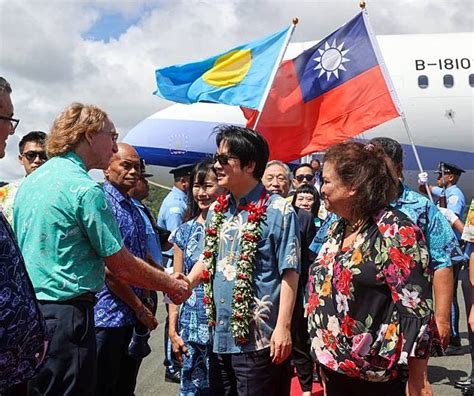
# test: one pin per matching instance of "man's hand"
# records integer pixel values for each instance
(423, 178)
(178, 347)
(180, 289)
(146, 317)
(444, 331)
(280, 344)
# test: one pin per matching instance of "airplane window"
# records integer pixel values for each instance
(423, 81)
(471, 80)
(448, 80)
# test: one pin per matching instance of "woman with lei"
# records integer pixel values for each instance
(370, 300)
(188, 329)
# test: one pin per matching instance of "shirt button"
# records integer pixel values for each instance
(222, 300)
(231, 238)
(221, 323)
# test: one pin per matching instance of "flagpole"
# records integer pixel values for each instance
(274, 71)
(393, 92)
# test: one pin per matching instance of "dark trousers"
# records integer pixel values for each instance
(117, 371)
(169, 361)
(342, 385)
(466, 291)
(457, 266)
(300, 354)
(247, 374)
(70, 367)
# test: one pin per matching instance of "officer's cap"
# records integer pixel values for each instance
(182, 170)
(143, 169)
(450, 169)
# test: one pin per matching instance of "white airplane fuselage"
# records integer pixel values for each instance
(433, 75)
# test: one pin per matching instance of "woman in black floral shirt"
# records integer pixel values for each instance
(369, 303)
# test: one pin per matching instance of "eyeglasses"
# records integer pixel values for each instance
(32, 155)
(13, 121)
(223, 159)
(307, 176)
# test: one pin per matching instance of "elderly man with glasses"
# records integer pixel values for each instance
(23, 337)
(32, 156)
(68, 234)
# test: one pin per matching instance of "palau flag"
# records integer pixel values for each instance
(332, 91)
(237, 77)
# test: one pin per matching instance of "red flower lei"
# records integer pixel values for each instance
(242, 294)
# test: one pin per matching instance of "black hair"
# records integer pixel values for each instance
(391, 147)
(245, 143)
(303, 165)
(308, 189)
(33, 136)
(198, 175)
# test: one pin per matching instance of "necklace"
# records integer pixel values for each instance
(354, 227)
(242, 293)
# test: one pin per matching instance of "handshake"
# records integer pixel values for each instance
(179, 289)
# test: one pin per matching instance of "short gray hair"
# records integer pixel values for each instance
(286, 168)
(5, 86)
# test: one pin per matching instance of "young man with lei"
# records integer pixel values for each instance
(250, 269)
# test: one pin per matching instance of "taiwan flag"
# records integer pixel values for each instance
(331, 92)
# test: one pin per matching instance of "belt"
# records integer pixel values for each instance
(87, 297)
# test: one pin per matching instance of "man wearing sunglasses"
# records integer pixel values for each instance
(304, 174)
(32, 156)
(255, 365)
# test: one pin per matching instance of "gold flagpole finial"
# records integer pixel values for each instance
(362, 4)
(295, 21)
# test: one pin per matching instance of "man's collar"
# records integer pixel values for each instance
(405, 196)
(178, 191)
(252, 196)
(72, 156)
(112, 190)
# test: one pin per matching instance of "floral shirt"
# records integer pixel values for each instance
(277, 250)
(111, 311)
(468, 233)
(193, 324)
(7, 198)
(370, 306)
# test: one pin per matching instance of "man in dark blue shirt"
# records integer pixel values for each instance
(22, 330)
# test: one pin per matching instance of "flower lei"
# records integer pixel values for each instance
(242, 293)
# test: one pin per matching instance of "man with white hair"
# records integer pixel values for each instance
(67, 232)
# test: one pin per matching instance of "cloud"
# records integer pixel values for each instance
(50, 62)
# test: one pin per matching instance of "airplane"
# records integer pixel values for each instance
(433, 75)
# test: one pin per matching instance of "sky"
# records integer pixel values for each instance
(105, 52)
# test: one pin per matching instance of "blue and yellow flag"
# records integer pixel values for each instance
(237, 77)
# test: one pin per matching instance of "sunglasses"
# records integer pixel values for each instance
(223, 159)
(31, 155)
(308, 177)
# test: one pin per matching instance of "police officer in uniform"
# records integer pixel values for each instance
(450, 196)
(170, 217)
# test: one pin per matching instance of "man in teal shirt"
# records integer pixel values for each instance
(66, 231)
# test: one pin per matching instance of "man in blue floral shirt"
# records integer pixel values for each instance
(251, 364)
(119, 306)
(442, 243)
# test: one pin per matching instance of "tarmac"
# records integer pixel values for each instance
(443, 371)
